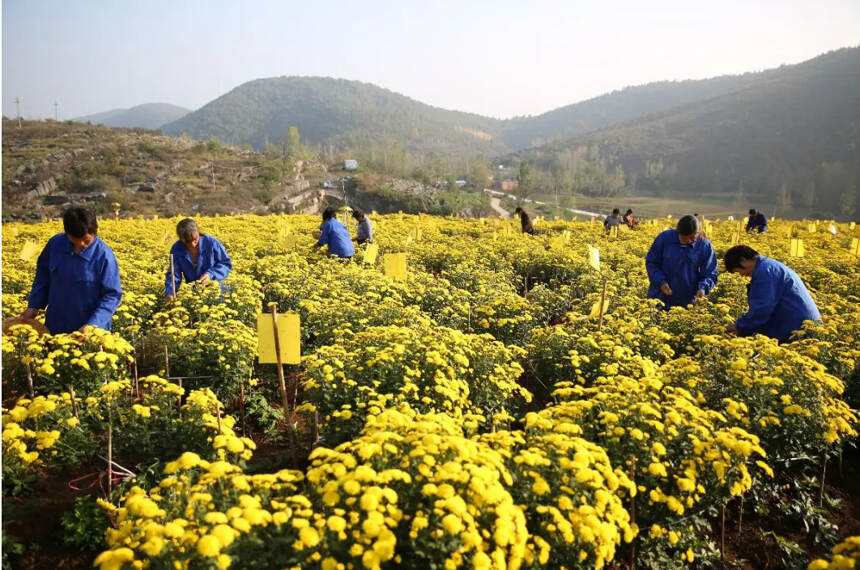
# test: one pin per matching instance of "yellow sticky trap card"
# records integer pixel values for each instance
(289, 338)
(597, 310)
(736, 238)
(852, 225)
(395, 266)
(30, 251)
(854, 248)
(796, 249)
(370, 254)
(594, 257)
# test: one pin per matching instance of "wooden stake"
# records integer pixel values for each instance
(218, 414)
(110, 457)
(172, 279)
(723, 536)
(166, 362)
(283, 385)
(741, 517)
(242, 405)
(633, 513)
(179, 399)
(30, 380)
(281, 382)
(74, 404)
(602, 306)
(823, 475)
(136, 378)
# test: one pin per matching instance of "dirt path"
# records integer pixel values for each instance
(496, 205)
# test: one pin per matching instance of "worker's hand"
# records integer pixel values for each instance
(30, 314)
(316, 234)
(84, 332)
(732, 329)
(204, 279)
(170, 299)
(666, 289)
(700, 294)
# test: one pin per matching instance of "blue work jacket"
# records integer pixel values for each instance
(77, 288)
(686, 268)
(758, 223)
(335, 235)
(212, 258)
(779, 302)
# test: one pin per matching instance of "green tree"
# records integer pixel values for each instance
(525, 181)
(478, 172)
(293, 144)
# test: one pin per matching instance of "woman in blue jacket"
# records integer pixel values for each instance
(198, 257)
(681, 264)
(779, 301)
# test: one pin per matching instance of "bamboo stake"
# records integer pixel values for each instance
(723, 536)
(218, 414)
(166, 362)
(110, 457)
(30, 380)
(741, 517)
(823, 475)
(172, 279)
(242, 406)
(602, 305)
(633, 513)
(74, 403)
(282, 384)
(179, 399)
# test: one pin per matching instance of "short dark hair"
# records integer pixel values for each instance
(736, 254)
(78, 222)
(329, 213)
(752, 212)
(629, 211)
(186, 229)
(357, 214)
(518, 210)
(616, 211)
(688, 225)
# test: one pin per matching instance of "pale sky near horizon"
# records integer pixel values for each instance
(500, 58)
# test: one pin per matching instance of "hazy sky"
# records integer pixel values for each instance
(495, 57)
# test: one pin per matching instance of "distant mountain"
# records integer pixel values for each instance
(339, 113)
(789, 138)
(146, 116)
(617, 107)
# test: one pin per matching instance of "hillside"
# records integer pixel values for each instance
(789, 142)
(618, 107)
(337, 113)
(49, 165)
(146, 116)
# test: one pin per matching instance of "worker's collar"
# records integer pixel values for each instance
(87, 253)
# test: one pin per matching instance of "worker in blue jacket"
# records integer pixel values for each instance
(756, 222)
(779, 301)
(335, 235)
(681, 264)
(77, 278)
(198, 257)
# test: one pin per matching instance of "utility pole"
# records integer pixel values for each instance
(18, 110)
(56, 111)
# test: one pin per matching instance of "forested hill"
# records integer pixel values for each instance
(337, 113)
(146, 116)
(789, 139)
(618, 107)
